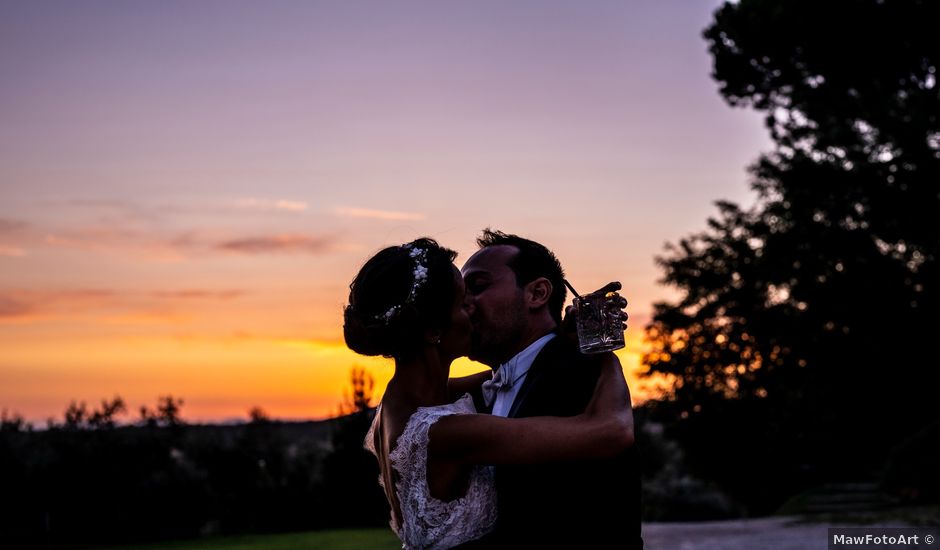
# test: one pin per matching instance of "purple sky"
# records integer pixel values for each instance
(257, 152)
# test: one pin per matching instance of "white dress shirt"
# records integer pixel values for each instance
(516, 370)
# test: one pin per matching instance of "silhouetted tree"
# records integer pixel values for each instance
(257, 415)
(12, 422)
(76, 415)
(359, 397)
(104, 417)
(350, 494)
(167, 412)
(804, 319)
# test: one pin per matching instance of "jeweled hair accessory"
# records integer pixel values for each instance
(420, 276)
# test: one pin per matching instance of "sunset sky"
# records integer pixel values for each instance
(187, 188)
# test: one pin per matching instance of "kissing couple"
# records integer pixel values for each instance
(538, 452)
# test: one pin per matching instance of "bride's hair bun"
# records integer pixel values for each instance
(399, 293)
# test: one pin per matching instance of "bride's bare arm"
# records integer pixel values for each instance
(456, 387)
(604, 430)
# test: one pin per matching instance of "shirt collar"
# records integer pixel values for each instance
(518, 366)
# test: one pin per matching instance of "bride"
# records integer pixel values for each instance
(435, 454)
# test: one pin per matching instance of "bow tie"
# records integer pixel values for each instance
(502, 380)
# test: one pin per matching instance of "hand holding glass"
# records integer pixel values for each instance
(600, 319)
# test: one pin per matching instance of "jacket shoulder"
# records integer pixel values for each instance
(560, 381)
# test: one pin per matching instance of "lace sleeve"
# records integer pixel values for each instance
(410, 460)
(429, 522)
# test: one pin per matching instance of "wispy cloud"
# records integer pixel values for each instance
(108, 306)
(198, 294)
(11, 230)
(267, 244)
(187, 244)
(191, 244)
(116, 240)
(389, 215)
(123, 228)
(11, 251)
(95, 237)
(12, 307)
(117, 211)
(270, 204)
(8, 226)
(20, 305)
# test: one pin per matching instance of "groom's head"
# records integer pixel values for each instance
(516, 292)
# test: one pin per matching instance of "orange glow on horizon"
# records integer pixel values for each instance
(219, 378)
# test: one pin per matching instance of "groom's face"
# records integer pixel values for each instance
(496, 304)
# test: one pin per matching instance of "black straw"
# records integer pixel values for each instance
(571, 288)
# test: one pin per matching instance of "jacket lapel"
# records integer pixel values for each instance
(540, 364)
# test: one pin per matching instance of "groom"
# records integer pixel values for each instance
(516, 292)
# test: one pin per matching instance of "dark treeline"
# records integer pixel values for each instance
(84, 483)
(802, 344)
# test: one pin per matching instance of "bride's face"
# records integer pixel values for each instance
(455, 340)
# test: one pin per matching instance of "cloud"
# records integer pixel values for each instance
(95, 237)
(116, 240)
(78, 296)
(32, 304)
(11, 307)
(198, 294)
(11, 251)
(124, 229)
(12, 230)
(277, 244)
(117, 211)
(8, 226)
(269, 204)
(38, 304)
(388, 215)
(189, 244)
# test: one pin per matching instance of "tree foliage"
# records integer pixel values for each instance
(813, 309)
(77, 416)
(167, 413)
(12, 422)
(359, 397)
(87, 482)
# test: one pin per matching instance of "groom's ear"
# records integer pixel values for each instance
(538, 292)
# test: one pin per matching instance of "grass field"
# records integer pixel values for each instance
(354, 539)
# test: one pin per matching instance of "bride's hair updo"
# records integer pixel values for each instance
(398, 294)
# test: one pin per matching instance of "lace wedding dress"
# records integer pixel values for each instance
(428, 522)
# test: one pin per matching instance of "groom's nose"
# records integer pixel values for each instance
(468, 304)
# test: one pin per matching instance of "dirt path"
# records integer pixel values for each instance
(751, 534)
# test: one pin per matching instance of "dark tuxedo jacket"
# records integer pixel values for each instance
(584, 504)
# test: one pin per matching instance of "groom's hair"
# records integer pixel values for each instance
(534, 260)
